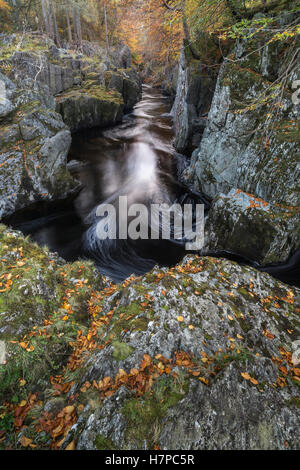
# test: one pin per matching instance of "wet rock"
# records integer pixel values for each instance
(195, 87)
(90, 107)
(238, 151)
(33, 154)
(257, 230)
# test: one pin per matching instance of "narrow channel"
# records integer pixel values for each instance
(134, 159)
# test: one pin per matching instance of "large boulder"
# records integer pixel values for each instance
(263, 232)
(90, 106)
(201, 356)
(127, 83)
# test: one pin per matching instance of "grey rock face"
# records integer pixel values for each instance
(257, 230)
(6, 107)
(233, 395)
(195, 88)
(35, 139)
(120, 56)
(169, 84)
(233, 152)
(239, 152)
(34, 144)
(85, 110)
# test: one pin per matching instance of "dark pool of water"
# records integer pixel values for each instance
(136, 159)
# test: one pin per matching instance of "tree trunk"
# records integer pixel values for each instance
(106, 29)
(77, 26)
(70, 35)
(45, 16)
(55, 27)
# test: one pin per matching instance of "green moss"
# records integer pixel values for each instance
(104, 443)
(89, 88)
(294, 402)
(144, 414)
(121, 351)
(37, 292)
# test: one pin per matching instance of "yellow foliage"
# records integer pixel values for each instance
(4, 5)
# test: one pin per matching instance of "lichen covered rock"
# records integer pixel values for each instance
(195, 357)
(36, 80)
(251, 142)
(198, 367)
(90, 106)
(195, 89)
(34, 145)
(263, 232)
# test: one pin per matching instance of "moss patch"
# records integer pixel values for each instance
(121, 350)
(145, 414)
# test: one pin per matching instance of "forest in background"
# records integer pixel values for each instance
(153, 29)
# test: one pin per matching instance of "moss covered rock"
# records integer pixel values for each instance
(211, 367)
(43, 304)
(34, 145)
(90, 106)
(201, 356)
(263, 232)
(34, 138)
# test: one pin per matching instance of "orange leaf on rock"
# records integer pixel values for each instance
(25, 442)
(245, 375)
(69, 410)
(71, 446)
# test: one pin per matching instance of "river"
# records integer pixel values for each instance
(135, 159)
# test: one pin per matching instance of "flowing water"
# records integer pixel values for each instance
(134, 159)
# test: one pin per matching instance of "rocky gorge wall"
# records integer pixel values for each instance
(196, 84)
(247, 162)
(48, 93)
